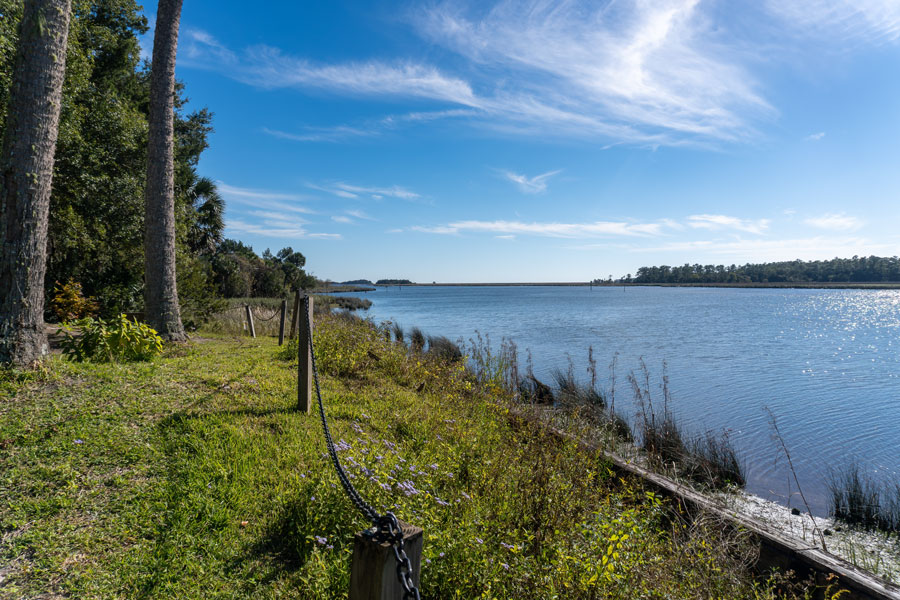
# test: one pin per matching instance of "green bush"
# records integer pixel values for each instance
(113, 340)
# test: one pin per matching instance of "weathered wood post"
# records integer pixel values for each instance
(304, 356)
(295, 314)
(373, 570)
(281, 322)
(250, 320)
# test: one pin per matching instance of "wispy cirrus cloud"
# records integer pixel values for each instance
(634, 71)
(267, 213)
(237, 197)
(835, 222)
(360, 215)
(338, 133)
(558, 230)
(761, 250)
(350, 191)
(530, 185)
(865, 20)
(352, 216)
(278, 227)
(267, 67)
(815, 137)
(715, 222)
(649, 67)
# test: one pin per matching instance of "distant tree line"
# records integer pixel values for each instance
(393, 282)
(874, 269)
(357, 282)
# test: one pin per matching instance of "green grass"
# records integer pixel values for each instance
(192, 476)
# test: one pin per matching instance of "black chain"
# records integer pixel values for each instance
(386, 527)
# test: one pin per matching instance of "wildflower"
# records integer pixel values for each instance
(321, 540)
(433, 466)
(441, 502)
(466, 496)
(408, 488)
(479, 540)
(79, 441)
(505, 566)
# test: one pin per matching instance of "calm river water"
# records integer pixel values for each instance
(825, 362)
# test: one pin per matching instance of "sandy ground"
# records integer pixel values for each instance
(875, 552)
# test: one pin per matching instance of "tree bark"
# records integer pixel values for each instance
(160, 291)
(26, 174)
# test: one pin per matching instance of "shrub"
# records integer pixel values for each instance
(69, 302)
(117, 339)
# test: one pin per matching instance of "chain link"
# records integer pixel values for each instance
(386, 527)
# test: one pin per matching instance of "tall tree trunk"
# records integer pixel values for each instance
(160, 291)
(26, 174)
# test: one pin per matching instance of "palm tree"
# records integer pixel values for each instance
(26, 176)
(160, 290)
(209, 215)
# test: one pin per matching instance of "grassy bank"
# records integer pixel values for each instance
(192, 476)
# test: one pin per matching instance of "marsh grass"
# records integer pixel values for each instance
(343, 302)
(708, 459)
(444, 349)
(857, 499)
(416, 340)
(398, 332)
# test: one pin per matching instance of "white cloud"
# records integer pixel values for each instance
(632, 68)
(276, 229)
(651, 73)
(360, 215)
(267, 67)
(714, 222)
(530, 185)
(867, 20)
(322, 134)
(560, 230)
(815, 137)
(341, 219)
(835, 222)
(346, 190)
(763, 250)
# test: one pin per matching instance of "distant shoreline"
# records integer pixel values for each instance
(776, 284)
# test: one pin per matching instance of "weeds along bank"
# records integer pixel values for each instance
(192, 476)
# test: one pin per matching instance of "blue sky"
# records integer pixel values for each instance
(550, 141)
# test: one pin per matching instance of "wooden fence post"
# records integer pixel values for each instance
(250, 320)
(281, 322)
(373, 570)
(295, 314)
(304, 357)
